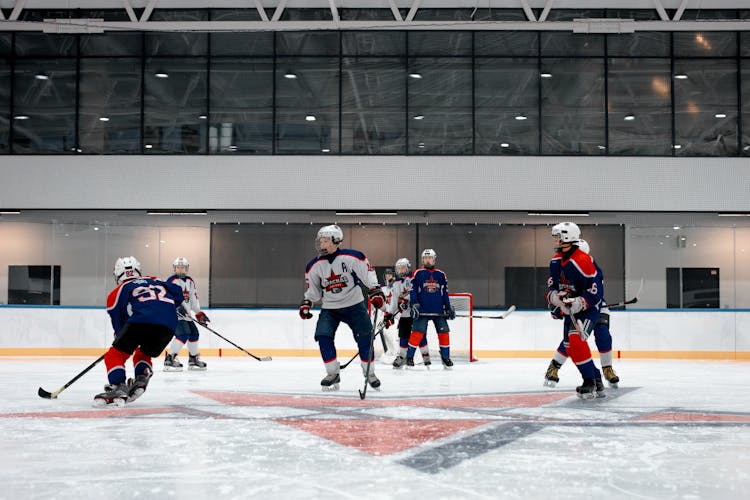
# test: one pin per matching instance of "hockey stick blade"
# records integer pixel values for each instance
(45, 394)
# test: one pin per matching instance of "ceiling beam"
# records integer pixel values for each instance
(660, 9)
(17, 8)
(130, 11)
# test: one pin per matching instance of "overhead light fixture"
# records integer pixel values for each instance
(310, 118)
(733, 214)
(521, 117)
(415, 76)
(420, 145)
(504, 145)
(161, 75)
(559, 214)
(677, 146)
(746, 148)
(10, 212)
(419, 117)
(546, 75)
(103, 118)
(176, 212)
(21, 117)
(601, 147)
(325, 150)
(290, 76)
(148, 146)
(365, 213)
(202, 117)
(680, 76)
(720, 115)
(629, 118)
(41, 77)
(232, 148)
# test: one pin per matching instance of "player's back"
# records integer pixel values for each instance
(146, 300)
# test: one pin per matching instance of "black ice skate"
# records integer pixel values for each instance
(410, 362)
(600, 388)
(137, 387)
(113, 395)
(171, 363)
(426, 359)
(587, 389)
(195, 363)
(612, 379)
(330, 382)
(447, 363)
(551, 378)
(399, 362)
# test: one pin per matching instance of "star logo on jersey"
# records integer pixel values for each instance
(335, 283)
(431, 286)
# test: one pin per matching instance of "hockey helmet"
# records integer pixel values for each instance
(126, 268)
(566, 232)
(334, 232)
(403, 267)
(429, 252)
(584, 246)
(181, 261)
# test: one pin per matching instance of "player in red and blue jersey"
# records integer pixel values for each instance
(575, 292)
(143, 314)
(430, 301)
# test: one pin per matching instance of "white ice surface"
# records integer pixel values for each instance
(196, 447)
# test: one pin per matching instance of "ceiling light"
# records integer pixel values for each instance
(41, 77)
(103, 118)
(419, 117)
(546, 75)
(676, 228)
(720, 115)
(733, 214)
(21, 117)
(560, 214)
(161, 75)
(176, 212)
(601, 147)
(310, 118)
(290, 76)
(415, 76)
(629, 118)
(746, 148)
(504, 145)
(366, 213)
(148, 146)
(680, 76)
(521, 117)
(202, 117)
(232, 148)
(677, 146)
(326, 150)
(420, 145)
(10, 212)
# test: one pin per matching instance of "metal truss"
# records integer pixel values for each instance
(403, 11)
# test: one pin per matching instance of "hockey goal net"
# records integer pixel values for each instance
(461, 335)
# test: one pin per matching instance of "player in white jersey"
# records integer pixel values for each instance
(186, 331)
(335, 277)
(400, 304)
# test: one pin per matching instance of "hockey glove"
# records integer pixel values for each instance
(556, 298)
(202, 318)
(449, 312)
(304, 309)
(575, 305)
(415, 311)
(388, 320)
(377, 298)
(555, 312)
(403, 304)
(182, 312)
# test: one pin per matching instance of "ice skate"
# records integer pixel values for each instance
(113, 395)
(171, 363)
(137, 387)
(195, 363)
(426, 360)
(409, 363)
(587, 389)
(331, 381)
(371, 378)
(551, 378)
(447, 363)
(612, 379)
(600, 388)
(399, 362)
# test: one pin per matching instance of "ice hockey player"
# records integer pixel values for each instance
(186, 332)
(602, 338)
(143, 314)
(335, 277)
(400, 304)
(430, 301)
(575, 287)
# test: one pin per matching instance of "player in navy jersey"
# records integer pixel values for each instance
(335, 277)
(401, 291)
(575, 291)
(186, 331)
(602, 338)
(143, 314)
(430, 301)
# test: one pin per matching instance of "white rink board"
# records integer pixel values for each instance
(728, 331)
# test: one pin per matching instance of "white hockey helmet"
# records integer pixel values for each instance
(584, 246)
(333, 231)
(181, 261)
(126, 268)
(567, 232)
(429, 252)
(402, 267)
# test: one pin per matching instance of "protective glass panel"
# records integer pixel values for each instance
(573, 107)
(644, 43)
(705, 44)
(184, 43)
(175, 105)
(239, 43)
(241, 103)
(705, 98)
(373, 43)
(44, 110)
(439, 43)
(4, 106)
(112, 44)
(110, 106)
(745, 143)
(307, 43)
(506, 43)
(640, 118)
(745, 46)
(307, 105)
(440, 106)
(46, 45)
(5, 44)
(373, 100)
(567, 44)
(506, 94)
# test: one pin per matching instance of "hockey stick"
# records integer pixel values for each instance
(186, 318)
(627, 302)
(53, 395)
(501, 316)
(380, 332)
(370, 355)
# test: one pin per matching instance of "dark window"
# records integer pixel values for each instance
(4, 105)
(693, 288)
(38, 285)
(526, 287)
(184, 43)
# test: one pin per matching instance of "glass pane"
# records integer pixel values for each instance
(307, 43)
(424, 14)
(184, 43)
(112, 44)
(5, 44)
(705, 44)
(745, 107)
(506, 43)
(307, 105)
(373, 43)
(373, 96)
(241, 103)
(110, 106)
(571, 44)
(573, 106)
(370, 14)
(700, 288)
(43, 44)
(44, 106)
(175, 102)
(644, 43)
(248, 43)
(745, 47)
(4, 106)
(640, 104)
(705, 107)
(507, 106)
(440, 106)
(439, 43)
(500, 15)
(306, 15)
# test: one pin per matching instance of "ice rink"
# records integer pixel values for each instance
(248, 429)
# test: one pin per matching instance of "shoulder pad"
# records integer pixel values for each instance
(312, 263)
(584, 263)
(354, 253)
